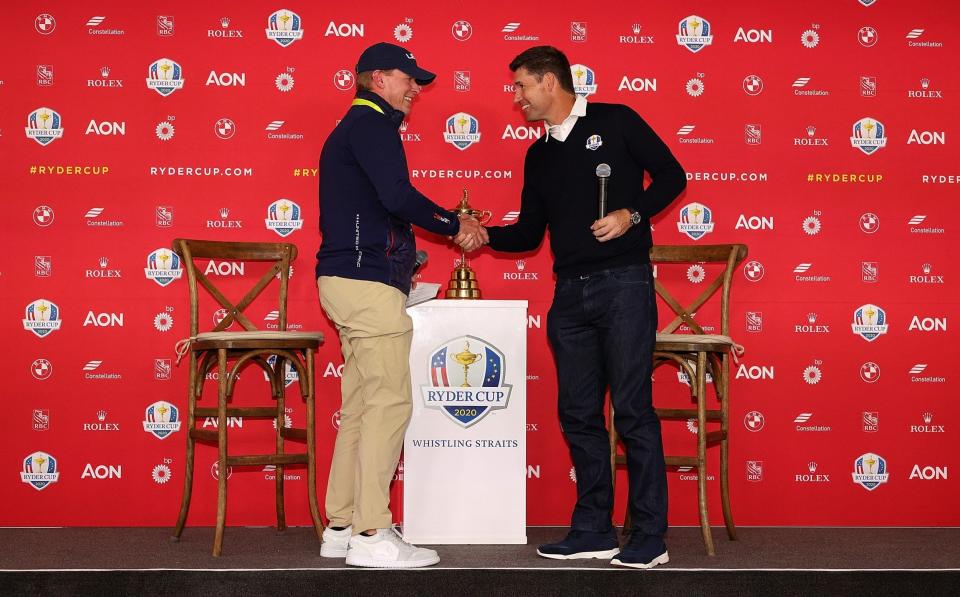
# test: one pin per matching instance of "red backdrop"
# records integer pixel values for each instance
(813, 132)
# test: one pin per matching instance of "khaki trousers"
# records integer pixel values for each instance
(375, 334)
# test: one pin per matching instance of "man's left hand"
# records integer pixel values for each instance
(612, 225)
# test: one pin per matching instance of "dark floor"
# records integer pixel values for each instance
(298, 548)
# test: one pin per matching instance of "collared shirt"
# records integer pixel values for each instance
(560, 131)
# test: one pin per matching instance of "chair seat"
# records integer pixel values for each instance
(693, 343)
(249, 340)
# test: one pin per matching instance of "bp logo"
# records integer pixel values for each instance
(284, 27)
(163, 267)
(283, 217)
(43, 126)
(696, 220)
(584, 80)
(869, 135)
(462, 130)
(693, 32)
(41, 317)
(466, 380)
(869, 322)
(162, 419)
(870, 470)
(165, 76)
(39, 470)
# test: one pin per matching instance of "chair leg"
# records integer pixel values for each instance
(281, 423)
(188, 464)
(311, 447)
(724, 449)
(701, 376)
(222, 470)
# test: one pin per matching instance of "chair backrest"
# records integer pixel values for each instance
(730, 255)
(281, 254)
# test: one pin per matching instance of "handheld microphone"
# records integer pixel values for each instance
(419, 261)
(603, 176)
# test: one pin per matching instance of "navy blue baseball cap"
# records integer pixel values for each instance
(384, 56)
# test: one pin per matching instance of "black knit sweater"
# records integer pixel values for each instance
(560, 191)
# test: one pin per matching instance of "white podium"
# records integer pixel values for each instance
(464, 455)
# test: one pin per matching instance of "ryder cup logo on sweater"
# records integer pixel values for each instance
(869, 322)
(283, 217)
(466, 380)
(584, 80)
(165, 76)
(163, 267)
(39, 470)
(43, 126)
(869, 135)
(462, 131)
(694, 33)
(161, 419)
(696, 220)
(284, 27)
(870, 470)
(41, 317)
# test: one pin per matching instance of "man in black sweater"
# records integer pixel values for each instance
(602, 323)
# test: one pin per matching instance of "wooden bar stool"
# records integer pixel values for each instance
(698, 355)
(227, 353)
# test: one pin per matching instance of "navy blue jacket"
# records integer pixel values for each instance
(367, 204)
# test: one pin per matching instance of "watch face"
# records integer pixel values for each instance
(635, 217)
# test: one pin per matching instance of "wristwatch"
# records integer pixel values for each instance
(634, 217)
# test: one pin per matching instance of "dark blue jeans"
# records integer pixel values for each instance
(602, 328)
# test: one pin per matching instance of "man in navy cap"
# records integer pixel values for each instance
(364, 270)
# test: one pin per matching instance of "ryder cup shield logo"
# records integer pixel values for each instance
(284, 27)
(694, 33)
(39, 470)
(283, 217)
(466, 380)
(161, 419)
(870, 470)
(43, 126)
(165, 76)
(869, 135)
(584, 80)
(869, 322)
(163, 267)
(462, 130)
(696, 220)
(41, 317)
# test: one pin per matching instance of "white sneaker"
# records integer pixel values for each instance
(386, 549)
(335, 542)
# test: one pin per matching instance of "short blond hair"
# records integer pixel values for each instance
(365, 79)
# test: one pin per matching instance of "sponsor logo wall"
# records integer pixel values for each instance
(822, 140)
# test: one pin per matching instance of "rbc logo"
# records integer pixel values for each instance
(42, 317)
(869, 322)
(869, 135)
(284, 27)
(466, 386)
(43, 126)
(39, 470)
(696, 220)
(165, 76)
(584, 80)
(163, 267)
(161, 419)
(462, 131)
(693, 32)
(283, 217)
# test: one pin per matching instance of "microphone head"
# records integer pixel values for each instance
(603, 171)
(421, 258)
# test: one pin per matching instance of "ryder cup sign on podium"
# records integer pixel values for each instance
(465, 448)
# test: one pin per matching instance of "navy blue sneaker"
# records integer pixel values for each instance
(579, 545)
(642, 551)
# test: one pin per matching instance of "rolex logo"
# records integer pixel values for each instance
(103, 261)
(635, 28)
(521, 264)
(812, 317)
(812, 466)
(225, 22)
(403, 126)
(927, 417)
(104, 71)
(811, 130)
(101, 415)
(224, 212)
(927, 268)
(924, 83)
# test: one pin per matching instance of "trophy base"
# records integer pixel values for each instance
(462, 293)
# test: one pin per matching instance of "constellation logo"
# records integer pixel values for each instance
(916, 34)
(96, 22)
(683, 136)
(753, 421)
(754, 321)
(753, 271)
(871, 421)
(163, 266)
(462, 130)
(283, 217)
(584, 80)
(42, 317)
(811, 476)
(694, 33)
(869, 322)
(44, 126)
(755, 470)
(284, 27)
(39, 470)
(916, 228)
(870, 372)
(870, 471)
(696, 220)
(634, 36)
(804, 418)
(510, 29)
(276, 125)
(799, 88)
(919, 368)
(165, 76)
(803, 268)
(161, 419)
(481, 390)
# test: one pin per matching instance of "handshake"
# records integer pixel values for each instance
(472, 234)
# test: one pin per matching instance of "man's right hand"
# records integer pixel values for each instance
(472, 234)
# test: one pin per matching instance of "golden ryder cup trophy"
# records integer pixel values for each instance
(465, 358)
(463, 280)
